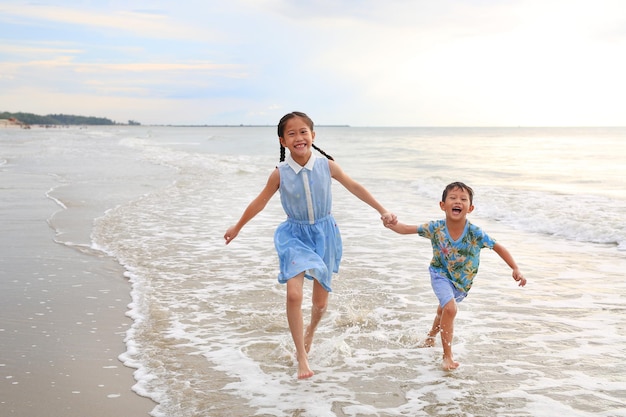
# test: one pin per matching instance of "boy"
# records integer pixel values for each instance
(456, 254)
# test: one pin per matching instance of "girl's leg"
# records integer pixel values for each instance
(447, 333)
(296, 325)
(318, 308)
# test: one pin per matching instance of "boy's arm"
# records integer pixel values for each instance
(508, 258)
(403, 229)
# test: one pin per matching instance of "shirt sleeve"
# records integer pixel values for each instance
(487, 241)
(425, 230)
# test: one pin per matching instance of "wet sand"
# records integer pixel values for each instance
(62, 312)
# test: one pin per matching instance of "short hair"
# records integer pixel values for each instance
(462, 186)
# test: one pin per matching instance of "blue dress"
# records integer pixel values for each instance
(309, 239)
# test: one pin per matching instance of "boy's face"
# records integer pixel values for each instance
(457, 204)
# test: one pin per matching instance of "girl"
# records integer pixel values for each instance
(308, 242)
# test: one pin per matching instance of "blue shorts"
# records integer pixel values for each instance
(444, 288)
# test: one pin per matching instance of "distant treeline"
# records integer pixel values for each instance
(60, 119)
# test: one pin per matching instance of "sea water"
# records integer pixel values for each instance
(210, 335)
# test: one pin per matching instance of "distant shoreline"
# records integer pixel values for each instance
(6, 124)
(240, 125)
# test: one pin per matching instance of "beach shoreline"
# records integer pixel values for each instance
(63, 308)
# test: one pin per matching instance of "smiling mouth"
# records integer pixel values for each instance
(456, 210)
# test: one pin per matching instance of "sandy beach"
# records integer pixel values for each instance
(63, 310)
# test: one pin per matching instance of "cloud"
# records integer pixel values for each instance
(142, 23)
(155, 80)
(401, 62)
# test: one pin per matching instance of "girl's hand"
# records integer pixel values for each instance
(517, 276)
(389, 219)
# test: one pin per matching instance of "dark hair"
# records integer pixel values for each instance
(460, 185)
(281, 130)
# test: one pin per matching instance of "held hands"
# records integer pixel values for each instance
(389, 219)
(517, 276)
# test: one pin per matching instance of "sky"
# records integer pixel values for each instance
(355, 62)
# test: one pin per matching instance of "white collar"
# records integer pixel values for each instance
(297, 167)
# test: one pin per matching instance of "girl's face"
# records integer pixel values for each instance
(298, 138)
(457, 204)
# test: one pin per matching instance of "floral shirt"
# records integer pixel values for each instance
(456, 259)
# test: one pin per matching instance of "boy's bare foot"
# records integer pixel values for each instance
(308, 339)
(303, 369)
(428, 342)
(449, 364)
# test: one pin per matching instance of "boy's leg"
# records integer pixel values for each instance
(447, 333)
(318, 308)
(294, 318)
(430, 339)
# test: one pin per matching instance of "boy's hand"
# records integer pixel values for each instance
(396, 227)
(230, 234)
(517, 276)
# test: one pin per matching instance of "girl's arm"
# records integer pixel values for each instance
(360, 192)
(508, 258)
(255, 206)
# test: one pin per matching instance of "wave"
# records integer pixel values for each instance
(580, 218)
(583, 218)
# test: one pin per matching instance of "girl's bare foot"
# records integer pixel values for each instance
(449, 364)
(303, 369)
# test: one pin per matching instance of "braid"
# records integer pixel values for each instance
(282, 153)
(322, 152)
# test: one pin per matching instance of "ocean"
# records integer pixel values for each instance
(209, 334)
